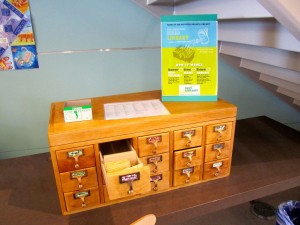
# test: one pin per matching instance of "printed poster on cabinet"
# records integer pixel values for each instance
(189, 57)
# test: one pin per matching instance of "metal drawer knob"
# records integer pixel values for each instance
(79, 175)
(218, 172)
(189, 137)
(155, 163)
(81, 196)
(155, 188)
(75, 155)
(189, 155)
(218, 156)
(188, 179)
(130, 183)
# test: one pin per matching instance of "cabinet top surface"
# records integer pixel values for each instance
(181, 113)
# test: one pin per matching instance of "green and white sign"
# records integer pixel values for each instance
(189, 57)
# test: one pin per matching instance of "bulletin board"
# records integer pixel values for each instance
(17, 43)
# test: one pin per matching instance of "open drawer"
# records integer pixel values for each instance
(124, 174)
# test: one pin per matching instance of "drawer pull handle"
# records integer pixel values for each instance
(220, 130)
(220, 135)
(189, 137)
(80, 186)
(129, 178)
(155, 180)
(188, 179)
(218, 148)
(154, 151)
(76, 154)
(155, 163)
(81, 196)
(154, 140)
(218, 172)
(189, 155)
(79, 175)
(187, 172)
(218, 156)
(155, 188)
(217, 165)
(83, 205)
(130, 183)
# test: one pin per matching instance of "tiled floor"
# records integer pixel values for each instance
(241, 214)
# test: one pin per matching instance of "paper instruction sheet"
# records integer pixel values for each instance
(122, 110)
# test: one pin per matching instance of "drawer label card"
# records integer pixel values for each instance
(81, 194)
(218, 146)
(189, 154)
(188, 133)
(156, 178)
(154, 139)
(187, 170)
(129, 177)
(218, 164)
(154, 159)
(219, 128)
(78, 174)
(75, 153)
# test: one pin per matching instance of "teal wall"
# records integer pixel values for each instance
(64, 25)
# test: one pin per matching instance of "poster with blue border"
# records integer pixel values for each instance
(189, 57)
(17, 44)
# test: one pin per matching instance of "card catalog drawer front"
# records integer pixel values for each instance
(160, 181)
(157, 163)
(79, 179)
(134, 181)
(187, 138)
(75, 159)
(188, 158)
(187, 175)
(82, 199)
(217, 151)
(216, 169)
(218, 132)
(153, 144)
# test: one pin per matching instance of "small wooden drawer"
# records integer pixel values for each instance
(187, 138)
(153, 144)
(218, 132)
(217, 151)
(75, 159)
(79, 179)
(82, 199)
(216, 169)
(188, 158)
(160, 181)
(157, 163)
(187, 175)
(127, 182)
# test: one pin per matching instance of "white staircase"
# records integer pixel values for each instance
(259, 37)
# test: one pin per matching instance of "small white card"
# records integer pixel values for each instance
(122, 110)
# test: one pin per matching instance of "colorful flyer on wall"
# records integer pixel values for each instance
(189, 54)
(17, 45)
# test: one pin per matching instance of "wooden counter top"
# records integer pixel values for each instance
(266, 160)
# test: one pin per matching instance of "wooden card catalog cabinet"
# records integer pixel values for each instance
(102, 162)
